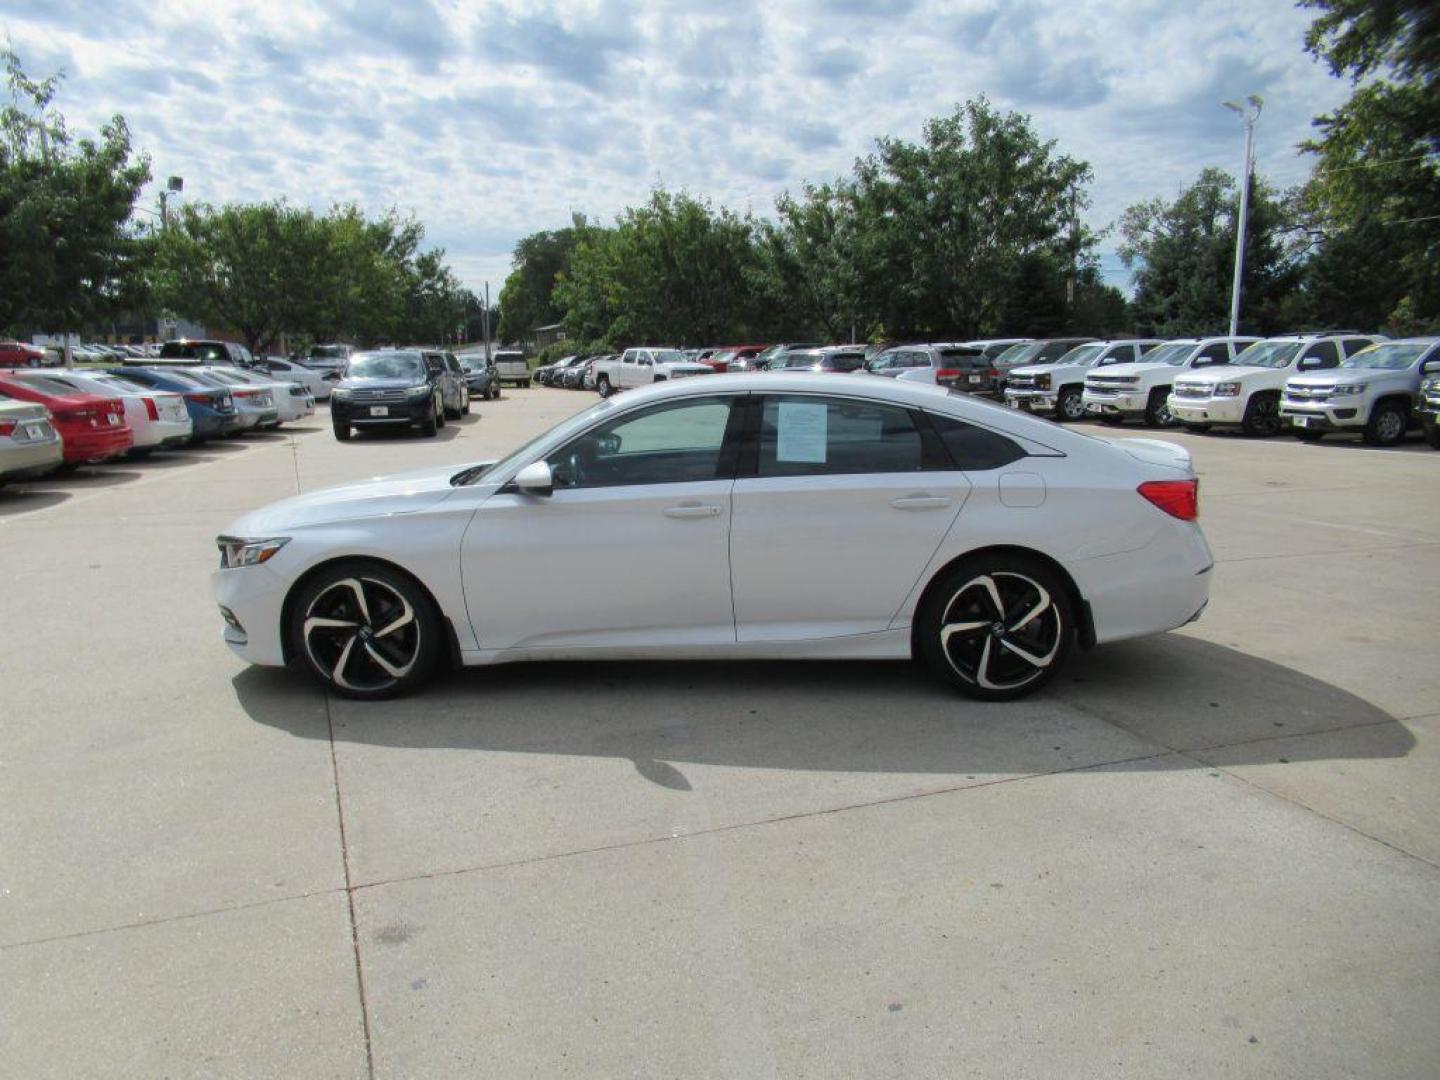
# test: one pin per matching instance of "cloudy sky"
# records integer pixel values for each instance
(491, 120)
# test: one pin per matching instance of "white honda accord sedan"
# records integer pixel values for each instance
(755, 516)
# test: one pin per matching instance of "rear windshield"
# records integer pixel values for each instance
(193, 350)
(847, 361)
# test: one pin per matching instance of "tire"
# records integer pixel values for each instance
(342, 431)
(1387, 424)
(602, 386)
(990, 652)
(1157, 409)
(441, 413)
(1070, 405)
(1262, 415)
(495, 392)
(1432, 432)
(431, 424)
(465, 406)
(364, 630)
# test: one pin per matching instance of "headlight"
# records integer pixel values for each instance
(1227, 389)
(1042, 382)
(340, 393)
(418, 392)
(1348, 390)
(1430, 385)
(235, 551)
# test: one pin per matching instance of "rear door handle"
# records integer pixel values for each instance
(920, 502)
(692, 510)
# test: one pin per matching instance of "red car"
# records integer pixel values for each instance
(93, 427)
(18, 354)
(732, 357)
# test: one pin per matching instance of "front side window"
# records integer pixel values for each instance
(802, 435)
(670, 444)
(1323, 354)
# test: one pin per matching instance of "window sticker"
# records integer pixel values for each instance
(800, 432)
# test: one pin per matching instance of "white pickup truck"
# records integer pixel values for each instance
(1373, 392)
(1247, 392)
(1056, 386)
(1141, 391)
(643, 366)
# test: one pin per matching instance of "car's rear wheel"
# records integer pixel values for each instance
(997, 626)
(602, 386)
(1262, 415)
(1387, 424)
(1070, 405)
(365, 630)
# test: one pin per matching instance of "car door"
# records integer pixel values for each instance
(625, 370)
(840, 504)
(640, 519)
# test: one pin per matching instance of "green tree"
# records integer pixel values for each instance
(527, 298)
(674, 270)
(1183, 253)
(810, 278)
(70, 255)
(1375, 194)
(948, 229)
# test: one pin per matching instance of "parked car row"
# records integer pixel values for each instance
(20, 354)
(51, 419)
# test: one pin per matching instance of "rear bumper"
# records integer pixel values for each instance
(90, 445)
(1159, 587)
(163, 433)
(31, 459)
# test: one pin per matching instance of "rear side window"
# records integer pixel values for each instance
(813, 436)
(974, 449)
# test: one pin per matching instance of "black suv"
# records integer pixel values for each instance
(390, 388)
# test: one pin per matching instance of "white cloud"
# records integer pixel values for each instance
(493, 120)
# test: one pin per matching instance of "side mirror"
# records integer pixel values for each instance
(535, 479)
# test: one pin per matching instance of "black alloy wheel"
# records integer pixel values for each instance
(997, 627)
(1157, 410)
(1262, 415)
(365, 631)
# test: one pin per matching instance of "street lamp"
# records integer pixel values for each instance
(174, 186)
(1248, 116)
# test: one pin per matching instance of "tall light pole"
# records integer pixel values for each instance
(1248, 116)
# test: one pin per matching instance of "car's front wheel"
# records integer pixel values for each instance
(342, 431)
(1262, 415)
(1157, 410)
(998, 627)
(1387, 425)
(365, 630)
(1070, 405)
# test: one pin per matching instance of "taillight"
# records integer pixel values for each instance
(948, 373)
(242, 394)
(1178, 498)
(200, 399)
(7, 427)
(150, 410)
(994, 373)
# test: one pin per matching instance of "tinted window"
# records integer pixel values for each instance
(1216, 353)
(209, 352)
(670, 444)
(1354, 345)
(974, 448)
(1325, 353)
(846, 361)
(811, 436)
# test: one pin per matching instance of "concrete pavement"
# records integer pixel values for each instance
(1211, 853)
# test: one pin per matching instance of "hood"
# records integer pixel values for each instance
(382, 496)
(1333, 376)
(1225, 373)
(1136, 368)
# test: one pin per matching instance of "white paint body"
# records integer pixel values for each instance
(1123, 391)
(804, 567)
(171, 426)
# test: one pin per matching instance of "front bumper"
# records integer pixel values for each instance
(1032, 400)
(1105, 403)
(255, 597)
(1322, 417)
(363, 413)
(1211, 410)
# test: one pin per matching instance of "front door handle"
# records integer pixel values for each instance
(692, 510)
(920, 502)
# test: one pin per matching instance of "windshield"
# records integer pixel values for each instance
(561, 432)
(1016, 355)
(1392, 356)
(1082, 354)
(473, 363)
(328, 352)
(1174, 354)
(1269, 354)
(385, 366)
